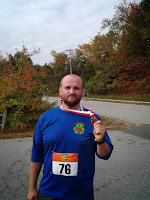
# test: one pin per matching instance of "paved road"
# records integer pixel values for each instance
(125, 176)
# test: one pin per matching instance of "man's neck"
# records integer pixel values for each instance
(77, 107)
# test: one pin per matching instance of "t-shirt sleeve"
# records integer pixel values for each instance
(108, 141)
(37, 148)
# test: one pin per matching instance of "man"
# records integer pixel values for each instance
(66, 141)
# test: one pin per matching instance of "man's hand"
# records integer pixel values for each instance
(34, 173)
(99, 130)
(32, 194)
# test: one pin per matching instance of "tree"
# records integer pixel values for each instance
(131, 25)
(47, 78)
(60, 66)
(19, 88)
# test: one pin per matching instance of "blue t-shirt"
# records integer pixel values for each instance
(64, 133)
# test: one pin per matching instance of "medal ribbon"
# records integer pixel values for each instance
(87, 113)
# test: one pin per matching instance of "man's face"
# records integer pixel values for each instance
(71, 90)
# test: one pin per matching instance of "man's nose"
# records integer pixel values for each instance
(72, 90)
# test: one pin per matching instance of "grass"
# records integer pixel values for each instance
(130, 97)
(115, 124)
(9, 133)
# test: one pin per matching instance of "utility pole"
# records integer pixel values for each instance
(70, 54)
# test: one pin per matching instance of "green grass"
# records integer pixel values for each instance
(132, 97)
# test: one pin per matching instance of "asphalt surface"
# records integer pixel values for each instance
(125, 176)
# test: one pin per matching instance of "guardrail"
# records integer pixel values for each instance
(3, 120)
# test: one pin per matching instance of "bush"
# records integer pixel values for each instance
(19, 87)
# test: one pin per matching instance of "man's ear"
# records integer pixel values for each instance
(60, 93)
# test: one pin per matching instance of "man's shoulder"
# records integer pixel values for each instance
(52, 111)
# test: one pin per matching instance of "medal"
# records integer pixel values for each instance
(81, 112)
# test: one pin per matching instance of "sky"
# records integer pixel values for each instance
(56, 25)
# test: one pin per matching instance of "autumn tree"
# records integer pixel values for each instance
(60, 67)
(46, 78)
(96, 59)
(19, 87)
(131, 25)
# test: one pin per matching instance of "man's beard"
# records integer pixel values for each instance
(71, 104)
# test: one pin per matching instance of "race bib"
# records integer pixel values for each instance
(65, 164)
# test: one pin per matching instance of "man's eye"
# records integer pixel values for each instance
(68, 88)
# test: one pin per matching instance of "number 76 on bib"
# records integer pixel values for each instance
(65, 164)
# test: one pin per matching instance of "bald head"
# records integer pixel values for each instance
(71, 91)
(72, 76)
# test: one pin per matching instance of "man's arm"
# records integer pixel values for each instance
(99, 131)
(34, 173)
(103, 149)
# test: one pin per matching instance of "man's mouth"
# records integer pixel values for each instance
(72, 96)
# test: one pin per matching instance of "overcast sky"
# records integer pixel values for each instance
(51, 24)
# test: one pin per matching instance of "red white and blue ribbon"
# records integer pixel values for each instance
(81, 112)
